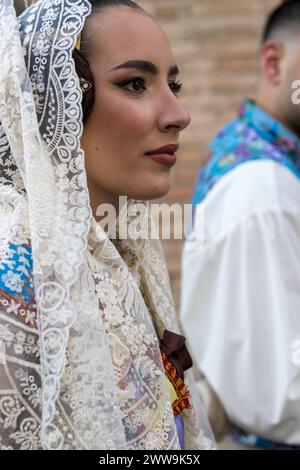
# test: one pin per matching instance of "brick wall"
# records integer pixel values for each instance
(215, 43)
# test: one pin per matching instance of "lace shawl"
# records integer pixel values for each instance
(80, 320)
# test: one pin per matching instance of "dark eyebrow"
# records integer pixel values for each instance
(145, 66)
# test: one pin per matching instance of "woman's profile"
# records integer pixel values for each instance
(91, 356)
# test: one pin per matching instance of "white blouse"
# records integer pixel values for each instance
(240, 306)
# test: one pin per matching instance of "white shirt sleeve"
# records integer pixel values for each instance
(240, 307)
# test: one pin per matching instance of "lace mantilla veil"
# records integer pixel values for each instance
(80, 365)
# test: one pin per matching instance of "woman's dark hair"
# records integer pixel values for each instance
(81, 57)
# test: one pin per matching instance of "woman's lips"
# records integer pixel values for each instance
(165, 155)
(164, 158)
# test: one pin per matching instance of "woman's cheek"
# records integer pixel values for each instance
(138, 115)
(125, 115)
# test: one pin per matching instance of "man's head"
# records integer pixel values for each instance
(280, 64)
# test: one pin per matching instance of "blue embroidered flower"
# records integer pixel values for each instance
(16, 277)
(13, 281)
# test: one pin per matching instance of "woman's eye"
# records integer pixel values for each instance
(176, 87)
(136, 84)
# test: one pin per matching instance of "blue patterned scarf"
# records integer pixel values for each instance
(254, 135)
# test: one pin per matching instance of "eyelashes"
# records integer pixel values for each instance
(139, 85)
(177, 87)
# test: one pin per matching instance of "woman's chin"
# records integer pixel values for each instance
(152, 193)
(155, 187)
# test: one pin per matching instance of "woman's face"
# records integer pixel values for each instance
(136, 107)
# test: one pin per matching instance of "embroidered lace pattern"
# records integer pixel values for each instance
(80, 318)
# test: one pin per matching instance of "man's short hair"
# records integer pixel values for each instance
(282, 20)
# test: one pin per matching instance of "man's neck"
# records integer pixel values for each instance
(268, 104)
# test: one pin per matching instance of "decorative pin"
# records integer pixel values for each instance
(85, 85)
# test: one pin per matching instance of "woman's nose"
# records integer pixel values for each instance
(173, 115)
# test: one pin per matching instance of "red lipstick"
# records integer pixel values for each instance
(165, 155)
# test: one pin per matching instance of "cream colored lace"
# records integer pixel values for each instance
(80, 366)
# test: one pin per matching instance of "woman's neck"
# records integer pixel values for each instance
(101, 201)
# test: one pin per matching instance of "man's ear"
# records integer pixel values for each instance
(271, 55)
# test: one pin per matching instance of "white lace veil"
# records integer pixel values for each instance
(97, 372)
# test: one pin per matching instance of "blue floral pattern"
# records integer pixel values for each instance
(16, 281)
(254, 135)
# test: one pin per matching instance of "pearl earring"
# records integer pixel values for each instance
(85, 85)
